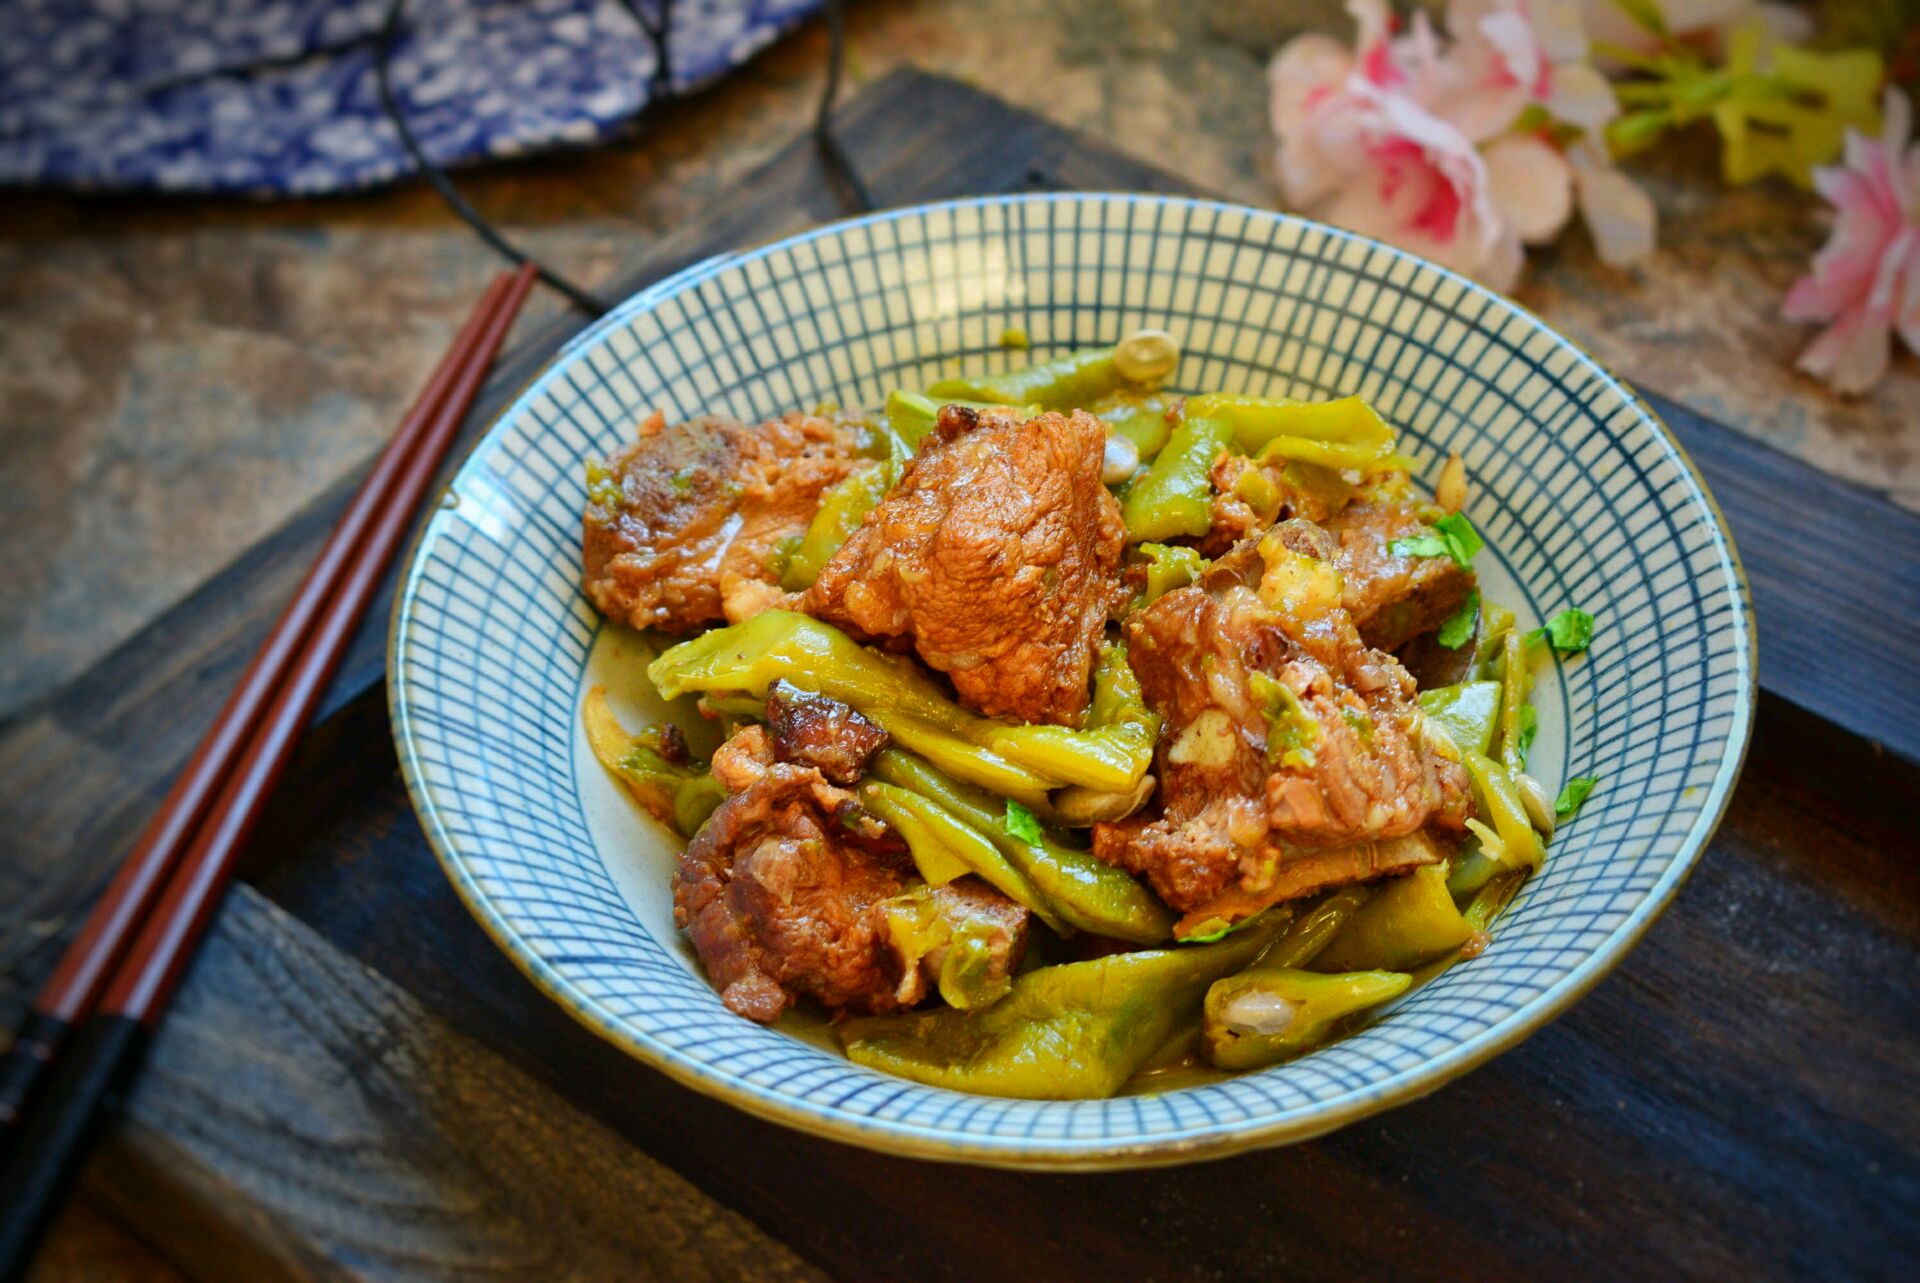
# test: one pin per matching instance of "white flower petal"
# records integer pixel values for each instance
(1560, 29)
(1305, 70)
(1531, 186)
(1850, 354)
(1581, 96)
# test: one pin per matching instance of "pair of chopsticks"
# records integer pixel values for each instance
(83, 1040)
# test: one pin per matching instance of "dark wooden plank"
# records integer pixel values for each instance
(85, 1245)
(1734, 1103)
(302, 1118)
(1835, 573)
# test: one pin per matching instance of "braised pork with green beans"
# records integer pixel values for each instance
(1077, 734)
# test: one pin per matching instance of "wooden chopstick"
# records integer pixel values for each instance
(81, 974)
(184, 860)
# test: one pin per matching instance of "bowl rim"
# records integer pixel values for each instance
(1091, 1153)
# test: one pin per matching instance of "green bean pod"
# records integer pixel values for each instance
(1346, 433)
(1086, 892)
(1468, 712)
(1022, 762)
(1146, 421)
(1516, 683)
(1174, 497)
(1310, 933)
(944, 846)
(818, 657)
(1078, 379)
(1511, 837)
(1411, 919)
(1072, 1032)
(1112, 752)
(1269, 1014)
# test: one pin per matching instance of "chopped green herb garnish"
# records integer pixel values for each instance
(603, 487)
(1291, 729)
(1529, 727)
(1419, 546)
(1359, 723)
(1022, 823)
(1569, 632)
(1458, 629)
(1462, 539)
(1573, 795)
(1453, 536)
(1209, 931)
(682, 481)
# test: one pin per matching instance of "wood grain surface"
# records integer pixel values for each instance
(299, 1116)
(1736, 1101)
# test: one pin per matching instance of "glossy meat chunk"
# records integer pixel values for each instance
(793, 890)
(997, 556)
(815, 730)
(779, 903)
(1392, 597)
(1250, 496)
(1285, 734)
(683, 526)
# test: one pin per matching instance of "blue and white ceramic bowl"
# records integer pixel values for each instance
(1582, 495)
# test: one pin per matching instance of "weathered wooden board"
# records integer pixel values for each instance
(1717, 1108)
(301, 1117)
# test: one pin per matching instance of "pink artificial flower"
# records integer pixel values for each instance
(1411, 142)
(1512, 54)
(1362, 147)
(1865, 282)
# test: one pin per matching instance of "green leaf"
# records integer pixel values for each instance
(1022, 823)
(1458, 629)
(1529, 727)
(1569, 632)
(1573, 795)
(1453, 536)
(1462, 539)
(1646, 13)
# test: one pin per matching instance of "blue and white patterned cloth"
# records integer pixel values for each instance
(277, 97)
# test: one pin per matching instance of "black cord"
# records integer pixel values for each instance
(473, 218)
(852, 191)
(656, 33)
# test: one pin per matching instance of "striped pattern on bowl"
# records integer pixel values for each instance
(1583, 497)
